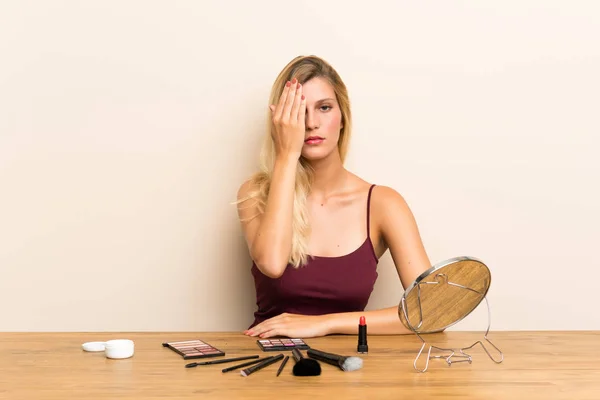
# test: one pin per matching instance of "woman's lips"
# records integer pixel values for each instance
(314, 140)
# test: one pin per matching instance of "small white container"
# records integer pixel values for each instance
(120, 348)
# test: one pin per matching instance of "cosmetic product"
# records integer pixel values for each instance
(258, 367)
(194, 349)
(234, 367)
(285, 360)
(305, 366)
(93, 346)
(115, 349)
(362, 347)
(225, 360)
(342, 362)
(282, 344)
(120, 348)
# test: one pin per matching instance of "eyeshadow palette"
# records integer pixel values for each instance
(194, 349)
(282, 344)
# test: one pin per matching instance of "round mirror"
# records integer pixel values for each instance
(444, 294)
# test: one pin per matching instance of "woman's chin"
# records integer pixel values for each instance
(314, 154)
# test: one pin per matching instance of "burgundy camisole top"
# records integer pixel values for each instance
(324, 285)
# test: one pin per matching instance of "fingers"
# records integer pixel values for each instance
(258, 329)
(271, 333)
(302, 111)
(290, 101)
(282, 101)
(298, 99)
(291, 104)
(274, 329)
(268, 325)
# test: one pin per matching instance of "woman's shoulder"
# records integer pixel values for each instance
(384, 199)
(246, 188)
(389, 209)
(387, 203)
(250, 187)
(249, 198)
(386, 194)
(381, 195)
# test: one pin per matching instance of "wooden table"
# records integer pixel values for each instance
(537, 365)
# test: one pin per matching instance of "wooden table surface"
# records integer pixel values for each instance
(537, 365)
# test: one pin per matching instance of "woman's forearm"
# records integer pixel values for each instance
(379, 322)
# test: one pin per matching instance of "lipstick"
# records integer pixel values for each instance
(362, 347)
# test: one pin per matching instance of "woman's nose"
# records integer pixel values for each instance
(311, 121)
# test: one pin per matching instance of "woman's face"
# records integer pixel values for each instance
(323, 119)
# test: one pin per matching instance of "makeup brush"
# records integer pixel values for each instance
(305, 366)
(285, 360)
(221, 361)
(342, 362)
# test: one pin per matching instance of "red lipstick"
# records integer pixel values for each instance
(362, 347)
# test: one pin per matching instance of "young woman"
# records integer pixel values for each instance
(315, 231)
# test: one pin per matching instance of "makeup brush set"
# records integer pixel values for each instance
(303, 366)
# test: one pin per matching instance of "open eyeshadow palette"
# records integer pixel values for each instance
(194, 349)
(282, 344)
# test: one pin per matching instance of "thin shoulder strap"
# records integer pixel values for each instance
(369, 211)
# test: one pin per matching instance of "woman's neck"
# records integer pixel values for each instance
(329, 176)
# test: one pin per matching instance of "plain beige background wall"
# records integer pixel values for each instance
(126, 128)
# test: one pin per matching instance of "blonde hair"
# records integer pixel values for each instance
(303, 68)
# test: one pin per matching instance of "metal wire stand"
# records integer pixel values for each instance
(450, 353)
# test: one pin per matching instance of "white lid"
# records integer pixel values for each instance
(94, 346)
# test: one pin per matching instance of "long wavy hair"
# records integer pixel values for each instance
(303, 68)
